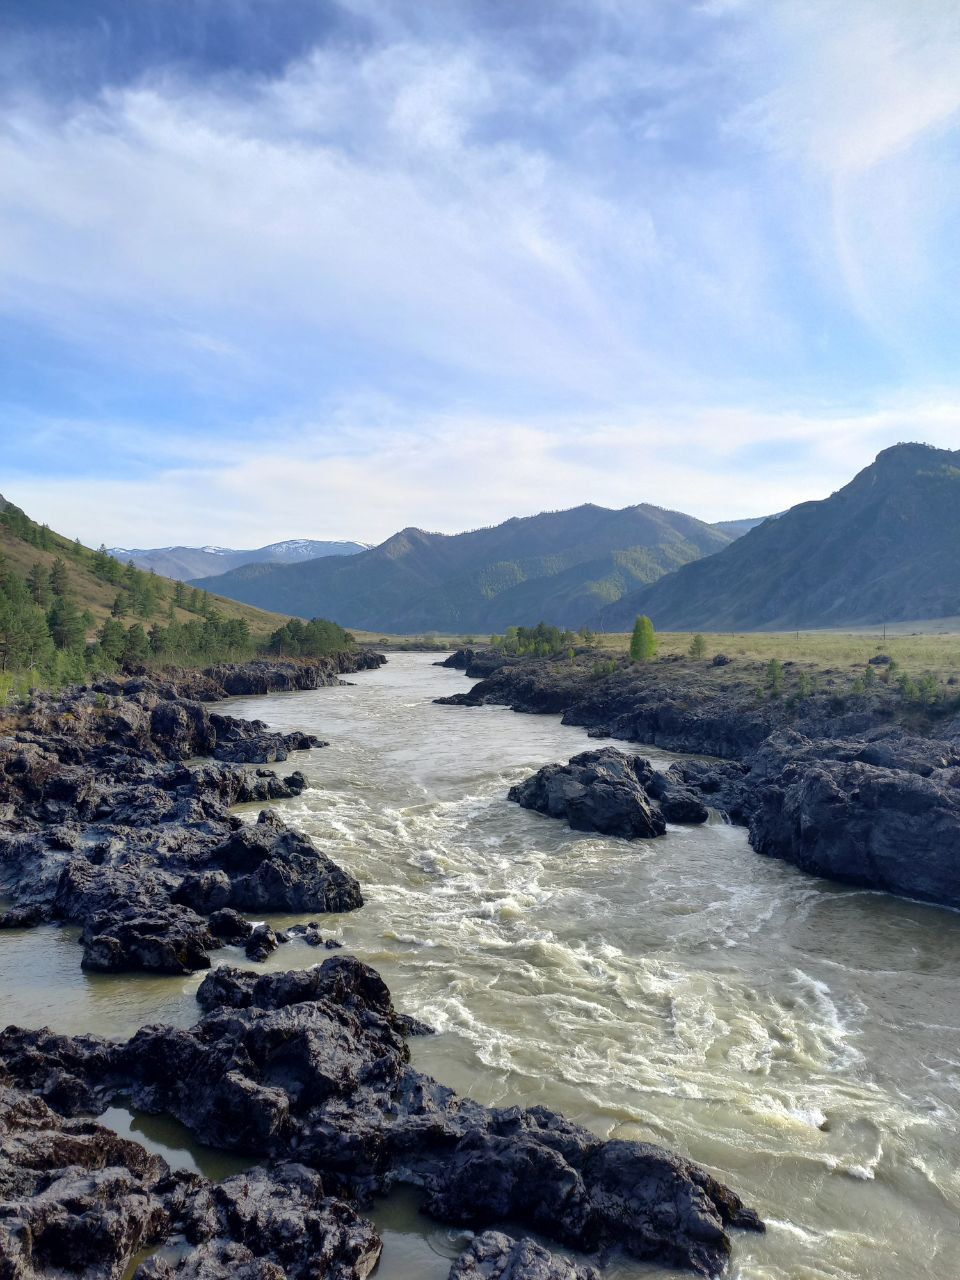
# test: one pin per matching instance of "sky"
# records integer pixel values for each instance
(328, 268)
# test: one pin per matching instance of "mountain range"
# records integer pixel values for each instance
(196, 562)
(884, 548)
(563, 566)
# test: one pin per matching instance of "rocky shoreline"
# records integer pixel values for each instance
(103, 824)
(837, 787)
(115, 815)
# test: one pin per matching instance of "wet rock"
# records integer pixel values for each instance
(261, 942)
(267, 1224)
(314, 1066)
(230, 926)
(274, 868)
(75, 1199)
(311, 935)
(494, 1256)
(597, 791)
(105, 826)
(827, 808)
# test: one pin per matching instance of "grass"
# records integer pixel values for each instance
(842, 650)
(91, 592)
(916, 652)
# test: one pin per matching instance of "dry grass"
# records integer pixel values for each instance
(90, 592)
(916, 652)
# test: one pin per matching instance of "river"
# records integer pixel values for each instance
(800, 1039)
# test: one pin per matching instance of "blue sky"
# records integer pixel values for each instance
(273, 269)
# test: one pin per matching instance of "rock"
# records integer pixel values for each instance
(105, 826)
(76, 1199)
(271, 1223)
(313, 1066)
(597, 791)
(261, 942)
(678, 803)
(828, 808)
(494, 1256)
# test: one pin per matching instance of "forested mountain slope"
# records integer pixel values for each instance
(562, 566)
(884, 548)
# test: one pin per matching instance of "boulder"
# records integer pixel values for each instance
(599, 791)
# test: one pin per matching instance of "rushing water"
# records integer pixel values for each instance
(800, 1039)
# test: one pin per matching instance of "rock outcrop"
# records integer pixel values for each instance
(76, 1199)
(884, 813)
(313, 1066)
(843, 791)
(104, 824)
(597, 791)
(611, 793)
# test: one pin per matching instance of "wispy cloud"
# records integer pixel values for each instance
(446, 263)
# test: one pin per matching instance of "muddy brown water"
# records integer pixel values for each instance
(799, 1038)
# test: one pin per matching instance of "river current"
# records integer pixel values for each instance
(800, 1039)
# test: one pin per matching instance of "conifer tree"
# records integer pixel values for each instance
(59, 582)
(698, 647)
(39, 583)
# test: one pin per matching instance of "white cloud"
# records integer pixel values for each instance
(450, 474)
(472, 276)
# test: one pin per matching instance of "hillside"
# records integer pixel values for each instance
(197, 562)
(881, 549)
(24, 544)
(562, 566)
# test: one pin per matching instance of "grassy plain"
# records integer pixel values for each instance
(916, 647)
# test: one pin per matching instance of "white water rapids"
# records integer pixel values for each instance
(799, 1038)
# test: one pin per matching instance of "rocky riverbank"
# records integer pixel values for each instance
(104, 824)
(835, 785)
(313, 1067)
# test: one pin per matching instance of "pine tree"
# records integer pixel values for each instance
(136, 646)
(643, 642)
(65, 623)
(113, 636)
(698, 647)
(119, 607)
(39, 583)
(59, 582)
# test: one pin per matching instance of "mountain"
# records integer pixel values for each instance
(737, 528)
(560, 566)
(24, 543)
(884, 548)
(195, 562)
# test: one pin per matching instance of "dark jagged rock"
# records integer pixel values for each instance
(311, 935)
(597, 791)
(272, 1224)
(494, 1256)
(314, 1066)
(103, 824)
(77, 1199)
(261, 943)
(883, 813)
(719, 784)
